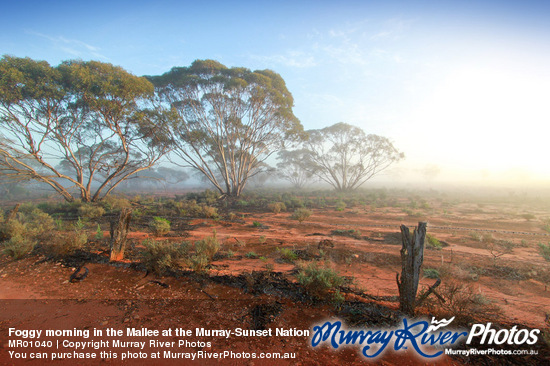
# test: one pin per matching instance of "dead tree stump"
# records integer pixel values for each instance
(119, 232)
(412, 256)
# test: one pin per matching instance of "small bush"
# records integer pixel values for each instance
(276, 207)
(251, 255)
(159, 226)
(287, 255)
(256, 224)
(91, 212)
(208, 246)
(320, 282)
(432, 242)
(340, 206)
(301, 214)
(66, 244)
(115, 203)
(98, 233)
(262, 239)
(544, 250)
(431, 273)
(199, 263)
(17, 246)
(162, 256)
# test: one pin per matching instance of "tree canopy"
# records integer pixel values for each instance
(230, 120)
(345, 157)
(81, 127)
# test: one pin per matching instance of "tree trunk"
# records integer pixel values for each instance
(119, 232)
(412, 256)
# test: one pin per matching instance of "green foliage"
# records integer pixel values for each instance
(276, 207)
(251, 255)
(431, 273)
(320, 282)
(433, 242)
(256, 224)
(113, 203)
(340, 206)
(98, 233)
(162, 256)
(199, 263)
(18, 246)
(262, 239)
(111, 139)
(91, 211)
(160, 226)
(544, 250)
(287, 255)
(254, 105)
(301, 214)
(208, 246)
(66, 244)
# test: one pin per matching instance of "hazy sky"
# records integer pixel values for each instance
(463, 86)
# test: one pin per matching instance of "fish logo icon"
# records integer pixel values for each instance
(439, 324)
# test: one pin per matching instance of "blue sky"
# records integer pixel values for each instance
(462, 85)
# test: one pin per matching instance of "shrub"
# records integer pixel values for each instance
(262, 239)
(115, 203)
(17, 246)
(161, 256)
(199, 263)
(159, 226)
(208, 246)
(98, 233)
(91, 212)
(251, 255)
(463, 302)
(301, 214)
(544, 250)
(432, 242)
(431, 273)
(67, 243)
(208, 212)
(276, 207)
(340, 206)
(320, 282)
(287, 255)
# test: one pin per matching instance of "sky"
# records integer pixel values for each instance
(461, 87)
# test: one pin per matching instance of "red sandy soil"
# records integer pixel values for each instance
(38, 295)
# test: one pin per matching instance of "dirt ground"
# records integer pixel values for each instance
(37, 294)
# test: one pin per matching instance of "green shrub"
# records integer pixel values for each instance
(90, 211)
(340, 206)
(199, 263)
(320, 282)
(276, 207)
(98, 233)
(17, 246)
(287, 255)
(208, 246)
(161, 256)
(431, 273)
(301, 214)
(251, 255)
(432, 242)
(115, 203)
(256, 224)
(159, 226)
(65, 244)
(544, 250)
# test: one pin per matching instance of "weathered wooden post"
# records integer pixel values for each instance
(412, 256)
(119, 232)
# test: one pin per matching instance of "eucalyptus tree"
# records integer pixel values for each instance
(345, 157)
(81, 127)
(231, 120)
(293, 166)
